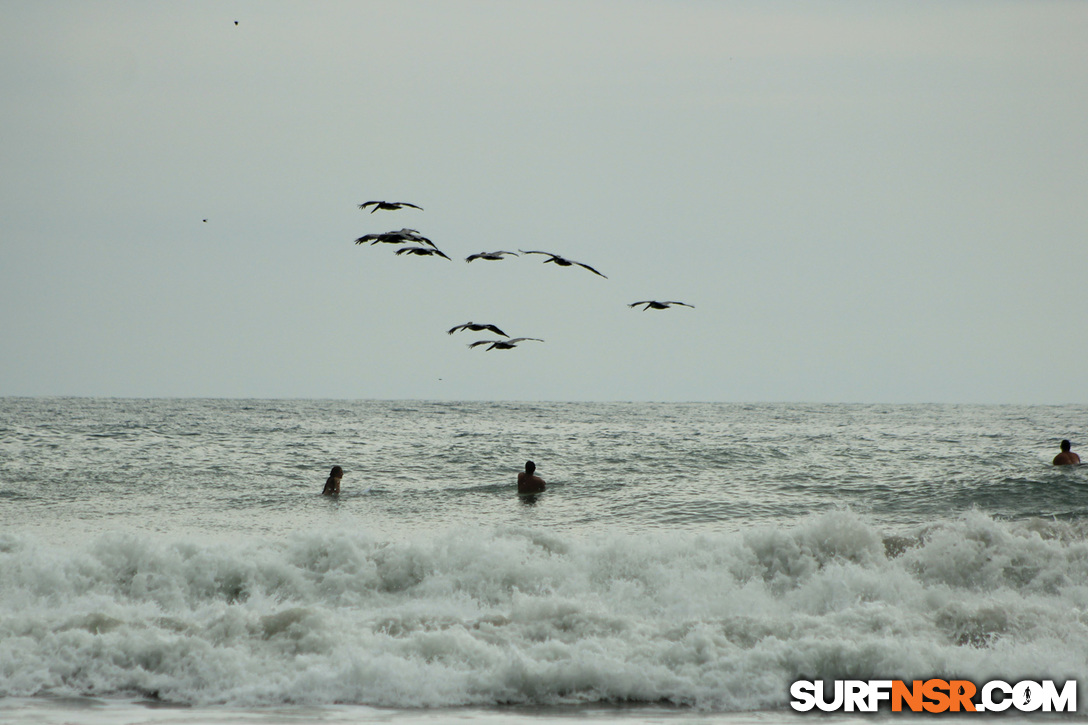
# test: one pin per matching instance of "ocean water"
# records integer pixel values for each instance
(173, 561)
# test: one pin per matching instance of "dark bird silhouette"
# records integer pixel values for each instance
(388, 205)
(655, 305)
(476, 327)
(398, 237)
(493, 256)
(422, 251)
(205, 221)
(503, 344)
(563, 262)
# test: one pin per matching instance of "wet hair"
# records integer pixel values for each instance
(530, 467)
(337, 472)
(1066, 445)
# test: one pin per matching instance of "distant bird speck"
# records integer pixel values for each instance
(476, 327)
(387, 205)
(503, 344)
(493, 256)
(422, 251)
(205, 221)
(562, 261)
(655, 305)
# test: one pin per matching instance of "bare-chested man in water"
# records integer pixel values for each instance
(529, 482)
(1066, 457)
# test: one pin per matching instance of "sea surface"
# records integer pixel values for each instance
(173, 561)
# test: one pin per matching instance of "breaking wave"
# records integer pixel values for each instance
(525, 616)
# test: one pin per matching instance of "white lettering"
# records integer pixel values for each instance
(987, 698)
(1064, 702)
(856, 695)
(804, 696)
(1027, 696)
(879, 690)
(821, 700)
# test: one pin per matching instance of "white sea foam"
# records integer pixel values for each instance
(519, 615)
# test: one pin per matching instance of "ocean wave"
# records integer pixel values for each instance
(521, 615)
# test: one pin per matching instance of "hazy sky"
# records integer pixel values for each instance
(864, 201)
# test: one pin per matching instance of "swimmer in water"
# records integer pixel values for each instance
(1066, 457)
(332, 483)
(528, 481)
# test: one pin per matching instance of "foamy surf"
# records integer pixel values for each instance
(527, 617)
(93, 711)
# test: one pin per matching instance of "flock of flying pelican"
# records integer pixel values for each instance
(416, 244)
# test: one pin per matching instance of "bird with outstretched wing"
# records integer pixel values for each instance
(422, 251)
(563, 261)
(655, 305)
(492, 256)
(476, 327)
(387, 205)
(401, 236)
(503, 344)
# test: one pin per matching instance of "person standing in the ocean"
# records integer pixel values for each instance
(332, 483)
(1066, 457)
(528, 481)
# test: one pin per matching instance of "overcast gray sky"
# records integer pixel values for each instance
(864, 202)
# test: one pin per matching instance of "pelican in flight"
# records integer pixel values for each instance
(398, 237)
(655, 305)
(503, 344)
(476, 327)
(388, 205)
(492, 256)
(422, 251)
(563, 262)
